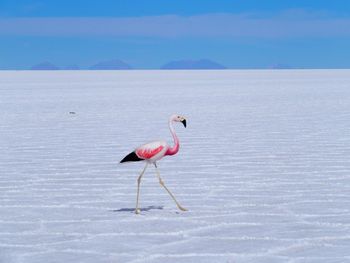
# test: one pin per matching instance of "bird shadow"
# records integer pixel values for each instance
(145, 209)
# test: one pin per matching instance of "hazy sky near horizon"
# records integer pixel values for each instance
(149, 33)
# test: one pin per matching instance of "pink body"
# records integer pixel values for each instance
(148, 152)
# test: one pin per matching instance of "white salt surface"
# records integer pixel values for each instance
(263, 166)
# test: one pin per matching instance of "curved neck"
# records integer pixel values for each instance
(173, 150)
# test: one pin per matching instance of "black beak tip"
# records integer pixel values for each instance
(184, 123)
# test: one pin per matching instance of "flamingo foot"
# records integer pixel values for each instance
(137, 211)
(182, 208)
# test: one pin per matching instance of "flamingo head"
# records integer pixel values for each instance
(178, 118)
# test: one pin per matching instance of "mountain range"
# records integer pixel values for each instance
(193, 64)
(117, 64)
(44, 66)
(114, 64)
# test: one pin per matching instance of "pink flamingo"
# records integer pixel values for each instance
(151, 153)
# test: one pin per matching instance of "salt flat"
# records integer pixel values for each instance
(263, 166)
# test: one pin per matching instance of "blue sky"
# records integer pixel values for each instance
(148, 33)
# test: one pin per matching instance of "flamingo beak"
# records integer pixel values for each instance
(184, 122)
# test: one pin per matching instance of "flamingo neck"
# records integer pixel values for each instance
(173, 150)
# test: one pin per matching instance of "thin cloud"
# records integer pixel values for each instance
(288, 24)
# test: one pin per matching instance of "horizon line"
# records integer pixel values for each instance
(159, 69)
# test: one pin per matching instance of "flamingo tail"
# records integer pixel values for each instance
(131, 157)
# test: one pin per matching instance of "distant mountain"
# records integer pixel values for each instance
(193, 64)
(71, 67)
(114, 64)
(44, 66)
(280, 66)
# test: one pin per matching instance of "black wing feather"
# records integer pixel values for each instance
(131, 157)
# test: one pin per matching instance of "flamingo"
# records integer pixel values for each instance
(151, 153)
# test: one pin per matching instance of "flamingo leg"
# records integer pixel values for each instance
(172, 196)
(137, 210)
